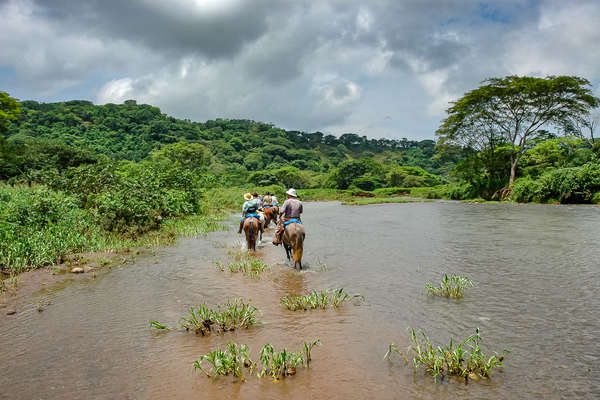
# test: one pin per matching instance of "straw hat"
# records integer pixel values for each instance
(248, 196)
(292, 192)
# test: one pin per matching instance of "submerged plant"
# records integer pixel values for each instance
(315, 299)
(157, 325)
(226, 317)
(451, 286)
(235, 359)
(464, 359)
(245, 263)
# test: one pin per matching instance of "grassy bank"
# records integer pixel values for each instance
(362, 201)
(41, 226)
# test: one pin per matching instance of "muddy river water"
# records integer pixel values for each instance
(537, 274)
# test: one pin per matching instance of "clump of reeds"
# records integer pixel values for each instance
(226, 317)
(284, 363)
(245, 263)
(234, 360)
(464, 359)
(451, 286)
(315, 299)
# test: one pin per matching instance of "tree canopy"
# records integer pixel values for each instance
(9, 111)
(514, 110)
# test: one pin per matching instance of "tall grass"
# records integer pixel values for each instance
(40, 226)
(465, 359)
(235, 361)
(226, 317)
(318, 299)
(246, 263)
(451, 286)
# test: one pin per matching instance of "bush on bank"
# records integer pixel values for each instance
(567, 185)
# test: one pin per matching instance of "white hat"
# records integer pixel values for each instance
(292, 192)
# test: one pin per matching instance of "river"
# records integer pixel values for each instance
(537, 275)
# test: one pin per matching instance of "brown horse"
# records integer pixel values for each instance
(293, 242)
(269, 216)
(252, 228)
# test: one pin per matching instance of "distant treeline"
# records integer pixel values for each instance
(131, 131)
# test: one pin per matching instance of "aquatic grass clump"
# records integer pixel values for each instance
(226, 317)
(451, 286)
(235, 359)
(246, 263)
(464, 359)
(315, 299)
(284, 363)
(232, 361)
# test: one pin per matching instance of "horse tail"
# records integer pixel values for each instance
(298, 246)
(250, 238)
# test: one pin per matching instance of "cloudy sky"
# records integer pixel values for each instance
(382, 68)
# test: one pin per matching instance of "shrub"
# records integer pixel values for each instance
(367, 183)
(39, 226)
(570, 185)
(525, 190)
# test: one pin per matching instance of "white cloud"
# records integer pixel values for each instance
(332, 65)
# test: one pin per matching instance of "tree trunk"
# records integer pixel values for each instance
(513, 171)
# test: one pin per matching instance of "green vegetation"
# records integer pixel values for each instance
(465, 359)
(227, 317)
(315, 299)
(361, 201)
(78, 177)
(235, 360)
(158, 325)
(229, 362)
(451, 286)
(247, 263)
(501, 121)
(284, 363)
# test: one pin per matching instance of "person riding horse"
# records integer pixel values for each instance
(249, 209)
(291, 209)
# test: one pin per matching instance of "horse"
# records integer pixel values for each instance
(293, 242)
(269, 216)
(252, 227)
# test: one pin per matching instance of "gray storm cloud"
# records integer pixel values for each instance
(331, 65)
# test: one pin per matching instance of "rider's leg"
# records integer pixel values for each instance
(241, 226)
(278, 232)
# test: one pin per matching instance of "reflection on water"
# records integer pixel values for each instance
(536, 273)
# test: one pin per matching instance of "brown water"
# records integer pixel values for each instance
(538, 278)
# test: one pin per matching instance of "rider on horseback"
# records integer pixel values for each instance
(267, 200)
(248, 209)
(291, 209)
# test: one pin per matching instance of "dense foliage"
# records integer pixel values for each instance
(503, 117)
(80, 177)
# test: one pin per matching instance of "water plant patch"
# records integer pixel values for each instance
(318, 299)
(451, 286)
(465, 359)
(235, 361)
(246, 263)
(227, 317)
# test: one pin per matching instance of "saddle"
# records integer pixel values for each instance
(251, 215)
(292, 221)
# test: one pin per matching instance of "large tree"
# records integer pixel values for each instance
(514, 110)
